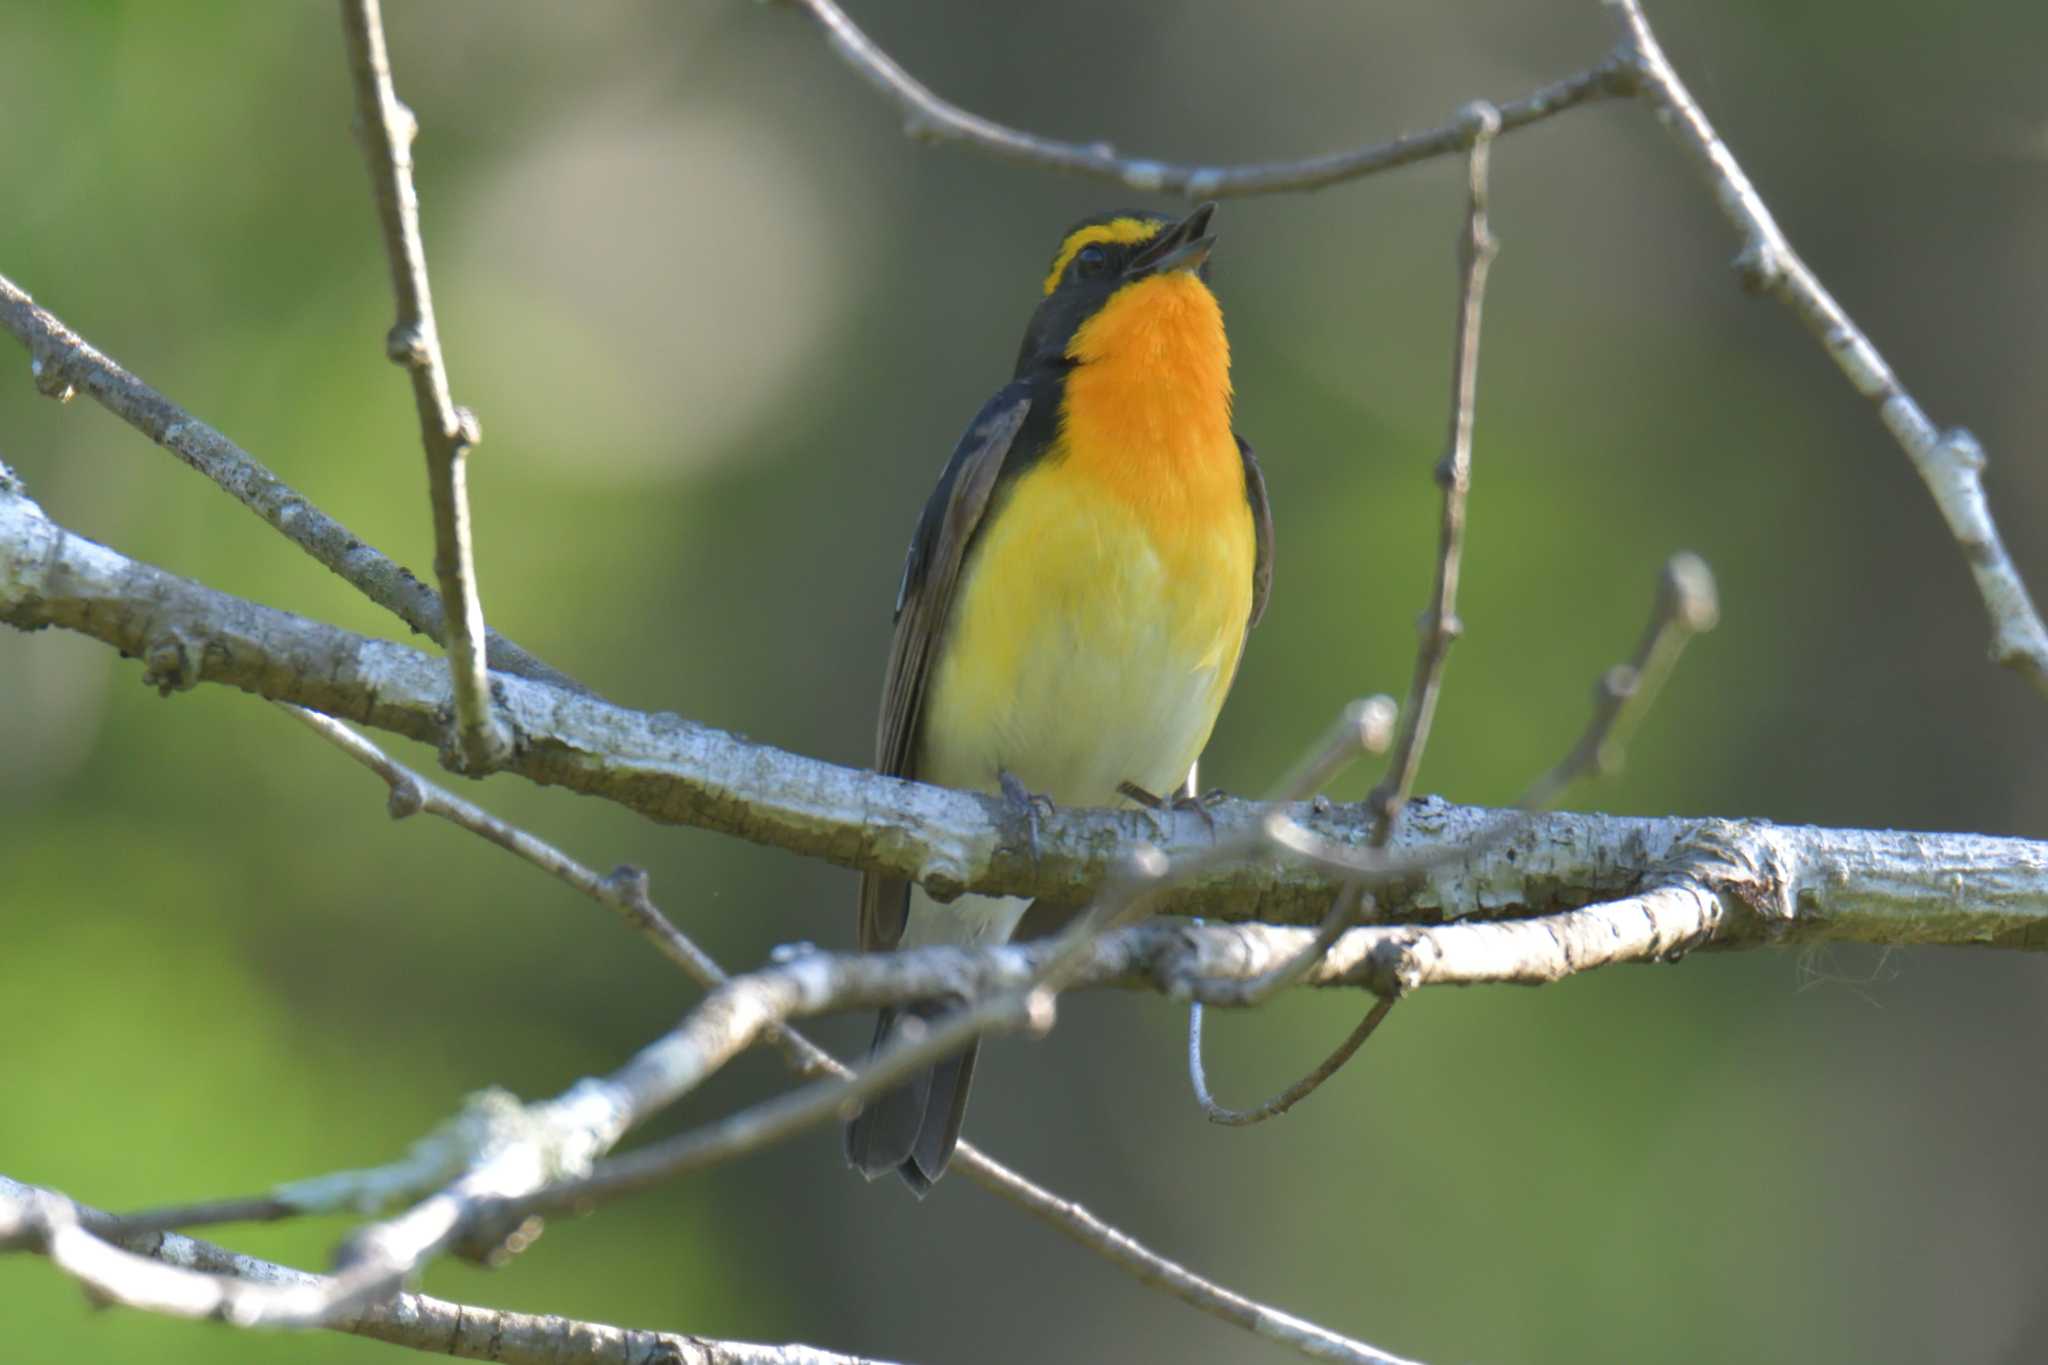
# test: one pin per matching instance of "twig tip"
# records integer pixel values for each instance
(1695, 602)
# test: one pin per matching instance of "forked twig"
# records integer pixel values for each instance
(1439, 628)
(1685, 605)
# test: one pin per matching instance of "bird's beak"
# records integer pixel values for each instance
(1184, 246)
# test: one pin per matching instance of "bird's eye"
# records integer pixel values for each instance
(1093, 260)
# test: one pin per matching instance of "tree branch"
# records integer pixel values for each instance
(1728, 883)
(627, 891)
(1877, 887)
(388, 128)
(168, 1273)
(62, 363)
(1659, 888)
(928, 118)
(1950, 463)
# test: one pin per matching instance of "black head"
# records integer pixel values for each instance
(1099, 256)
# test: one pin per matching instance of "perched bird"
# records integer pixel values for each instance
(1075, 600)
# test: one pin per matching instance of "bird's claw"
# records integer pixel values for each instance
(1028, 804)
(1174, 805)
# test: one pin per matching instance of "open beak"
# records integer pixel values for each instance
(1184, 246)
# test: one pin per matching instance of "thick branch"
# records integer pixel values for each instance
(1950, 463)
(1852, 885)
(447, 432)
(931, 119)
(63, 363)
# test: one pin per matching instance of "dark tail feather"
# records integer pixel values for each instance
(913, 1128)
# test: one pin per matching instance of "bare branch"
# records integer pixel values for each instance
(1886, 888)
(1950, 463)
(1439, 627)
(448, 432)
(409, 791)
(1774, 879)
(1725, 876)
(185, 1277)
(931, 119)
(63, 363)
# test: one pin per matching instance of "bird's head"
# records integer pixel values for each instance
(1117, 273)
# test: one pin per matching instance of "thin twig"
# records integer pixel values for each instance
(482, 743)
(64, 363)
(930, 118)
(1687, 604)
(1439, 627)
(1365, 726)
(624, 891)
(1076, 1222)
(1950, 463)
(262, 1208)
(1293, 1094)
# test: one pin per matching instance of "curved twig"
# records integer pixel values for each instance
(929, 118)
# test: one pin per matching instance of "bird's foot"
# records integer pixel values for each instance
(1173, 805)
(1028, 805)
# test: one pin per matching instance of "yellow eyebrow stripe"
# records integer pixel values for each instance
(1117, 231)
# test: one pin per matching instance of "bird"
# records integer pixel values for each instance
(1075, 601)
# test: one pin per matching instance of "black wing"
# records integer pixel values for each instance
(930, 572)
(1262, 527)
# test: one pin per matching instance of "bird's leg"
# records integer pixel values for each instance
(1027, 804)
(1173, 805)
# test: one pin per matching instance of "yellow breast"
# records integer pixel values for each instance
(1100, 617)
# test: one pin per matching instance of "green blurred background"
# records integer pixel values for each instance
(722, 323)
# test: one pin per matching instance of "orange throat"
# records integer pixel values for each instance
(1147, 410)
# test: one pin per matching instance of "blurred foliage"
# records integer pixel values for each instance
(722, 324)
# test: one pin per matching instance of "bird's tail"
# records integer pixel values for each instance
(913, 1128)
